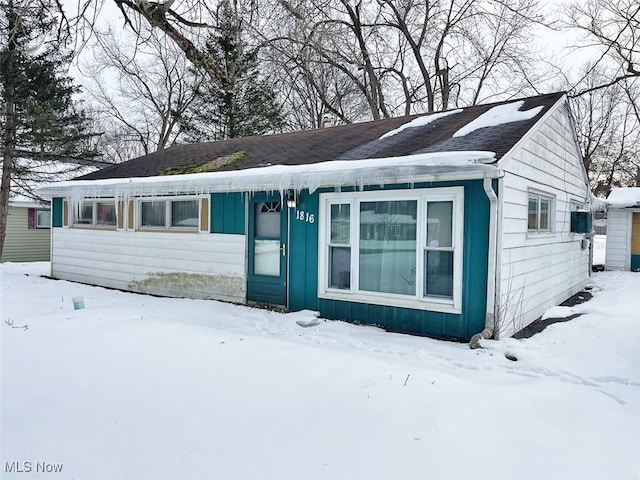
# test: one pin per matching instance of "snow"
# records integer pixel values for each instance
(499, 115)
(409, 168)
(624, 197)
(138, 387)
(420, 122)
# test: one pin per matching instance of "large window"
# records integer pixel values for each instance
(179, 213)
(540, 208)
(399, 248)
(97, 213)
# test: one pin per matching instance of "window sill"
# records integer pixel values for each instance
(166, 230)
(532, 234)
(433, 305)
(80, 226)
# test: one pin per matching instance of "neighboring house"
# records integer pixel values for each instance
(623, 229)
(447, 224)
(28, 236)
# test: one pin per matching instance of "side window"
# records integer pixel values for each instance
(540, 213)
(169, 213)
(96, 213)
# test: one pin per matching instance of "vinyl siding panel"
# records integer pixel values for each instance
(208, 266)
(22, 244)
(540, 270)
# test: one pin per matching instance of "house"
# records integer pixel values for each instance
(455, 224)
(623, 229)
(28, 235)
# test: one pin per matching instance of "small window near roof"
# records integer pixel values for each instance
(539, 212)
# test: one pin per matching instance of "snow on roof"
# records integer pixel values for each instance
(499, 115)
(420, 122)
(624, 197)
(405, 169)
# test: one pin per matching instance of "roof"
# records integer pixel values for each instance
(445, 146)
(358, 141)
(624, 197)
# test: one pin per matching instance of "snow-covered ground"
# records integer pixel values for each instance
(136, 387)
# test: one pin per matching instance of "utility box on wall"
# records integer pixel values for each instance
(581, 222)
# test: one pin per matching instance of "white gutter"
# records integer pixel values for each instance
(492, 268)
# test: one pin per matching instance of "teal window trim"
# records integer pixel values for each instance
(227, 213)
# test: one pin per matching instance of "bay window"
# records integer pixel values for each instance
(393, 247)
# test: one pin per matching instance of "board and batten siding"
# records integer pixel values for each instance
(205, 266)
(23, 244)
(618, 252)
(541, 270)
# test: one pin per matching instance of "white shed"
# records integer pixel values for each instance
(623, 229)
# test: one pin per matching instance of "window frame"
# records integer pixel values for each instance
(94, 202)
(418, 300)
(168, 213)
(38, 224)
(540, 197)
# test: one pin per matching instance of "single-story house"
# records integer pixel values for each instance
(623, 229)
(28, 235)
(455, 224)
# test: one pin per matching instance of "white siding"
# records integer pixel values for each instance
(538, 271)
(618, 254)
(208, 266)
(22, 244)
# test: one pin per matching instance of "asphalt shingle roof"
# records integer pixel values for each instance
(347, 142)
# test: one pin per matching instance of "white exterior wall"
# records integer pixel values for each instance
(540, 270)
(618, 253)
(207, 266)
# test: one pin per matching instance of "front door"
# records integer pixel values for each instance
(267, 276)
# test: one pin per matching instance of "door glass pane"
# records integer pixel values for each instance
(438, 267)
(340, 223)
(153, 214)
(340, 267)
(267, 258)
(268, 219)
(387, 252)
(439, 224)
(184, 213)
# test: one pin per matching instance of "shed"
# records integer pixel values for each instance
(455, 224)
(28, 236)
(623, 229)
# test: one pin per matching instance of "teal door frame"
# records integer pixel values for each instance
(270, 288)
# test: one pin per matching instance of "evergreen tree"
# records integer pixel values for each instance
(39, 122)
(241, 102)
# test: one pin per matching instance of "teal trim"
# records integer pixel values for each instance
(635, 263)
(227, 213)
(303, 276)
(56, 210)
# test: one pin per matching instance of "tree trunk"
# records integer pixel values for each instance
(10, 126)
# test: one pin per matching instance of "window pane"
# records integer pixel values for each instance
(153, 214)
(106, 214)
(86, 214)
(532, 223)
(268, 220)
(388, 246)
(438, 267)
(439, 224)
(43, 219)
(267, 258)
(340, 267)
(184, 213)
(340, 223)
(544, 214)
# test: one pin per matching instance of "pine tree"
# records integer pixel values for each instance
(241, 102)
(39, 121)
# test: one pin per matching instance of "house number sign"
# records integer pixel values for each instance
(305, 216)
